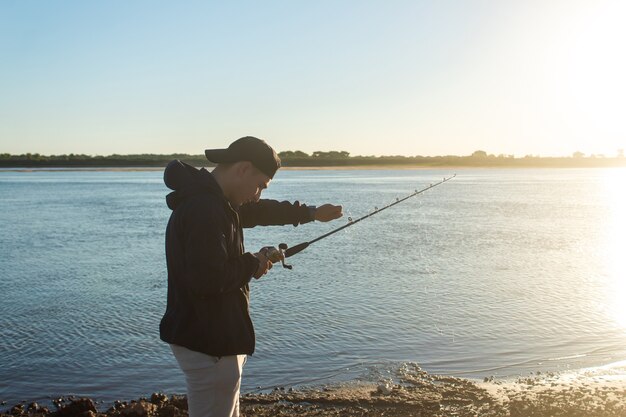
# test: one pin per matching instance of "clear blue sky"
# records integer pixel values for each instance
(368, 77)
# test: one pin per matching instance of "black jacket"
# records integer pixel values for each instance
(207, 270)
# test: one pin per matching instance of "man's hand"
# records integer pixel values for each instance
(328, 212)
(265, 264)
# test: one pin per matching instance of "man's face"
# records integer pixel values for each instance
(252, 184)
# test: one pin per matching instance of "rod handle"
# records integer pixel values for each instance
(296, 249)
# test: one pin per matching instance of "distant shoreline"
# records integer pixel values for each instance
(317, 160)
(302, 168)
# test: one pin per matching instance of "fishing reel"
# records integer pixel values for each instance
(275, 255)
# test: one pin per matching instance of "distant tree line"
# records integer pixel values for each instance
(316, 159)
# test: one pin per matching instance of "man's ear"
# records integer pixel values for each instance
(242, 168)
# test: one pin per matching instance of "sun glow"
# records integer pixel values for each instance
(581, 74)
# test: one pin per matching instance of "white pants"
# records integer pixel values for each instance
(212, 382)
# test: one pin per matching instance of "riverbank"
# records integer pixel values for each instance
(450, 168)
(597, 392)
(476, 160)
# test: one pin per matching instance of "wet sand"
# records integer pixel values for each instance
(598, 392)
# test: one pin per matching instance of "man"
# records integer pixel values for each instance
(207, 321)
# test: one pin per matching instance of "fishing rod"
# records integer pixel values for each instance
(284, 251)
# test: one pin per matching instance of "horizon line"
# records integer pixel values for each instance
(344, 154)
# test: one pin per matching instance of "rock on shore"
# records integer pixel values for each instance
(412, 392)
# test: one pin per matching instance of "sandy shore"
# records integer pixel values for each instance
(598, 392)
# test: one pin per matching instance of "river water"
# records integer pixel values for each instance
(496, 272)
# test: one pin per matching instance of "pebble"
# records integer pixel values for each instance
(158, 397)
(384, 389)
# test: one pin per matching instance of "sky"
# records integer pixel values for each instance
(414, 77)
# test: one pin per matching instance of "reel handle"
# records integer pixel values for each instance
(275, 255)
(282, 248)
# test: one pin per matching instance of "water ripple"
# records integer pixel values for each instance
(473, 278)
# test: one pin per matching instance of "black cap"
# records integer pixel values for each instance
(250, 149)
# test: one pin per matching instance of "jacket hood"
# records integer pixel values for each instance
(186, 181)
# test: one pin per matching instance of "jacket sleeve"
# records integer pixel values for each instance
(273, 213)
(208, 268)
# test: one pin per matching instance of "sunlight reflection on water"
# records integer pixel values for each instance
(498, 272)
(615, 185)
